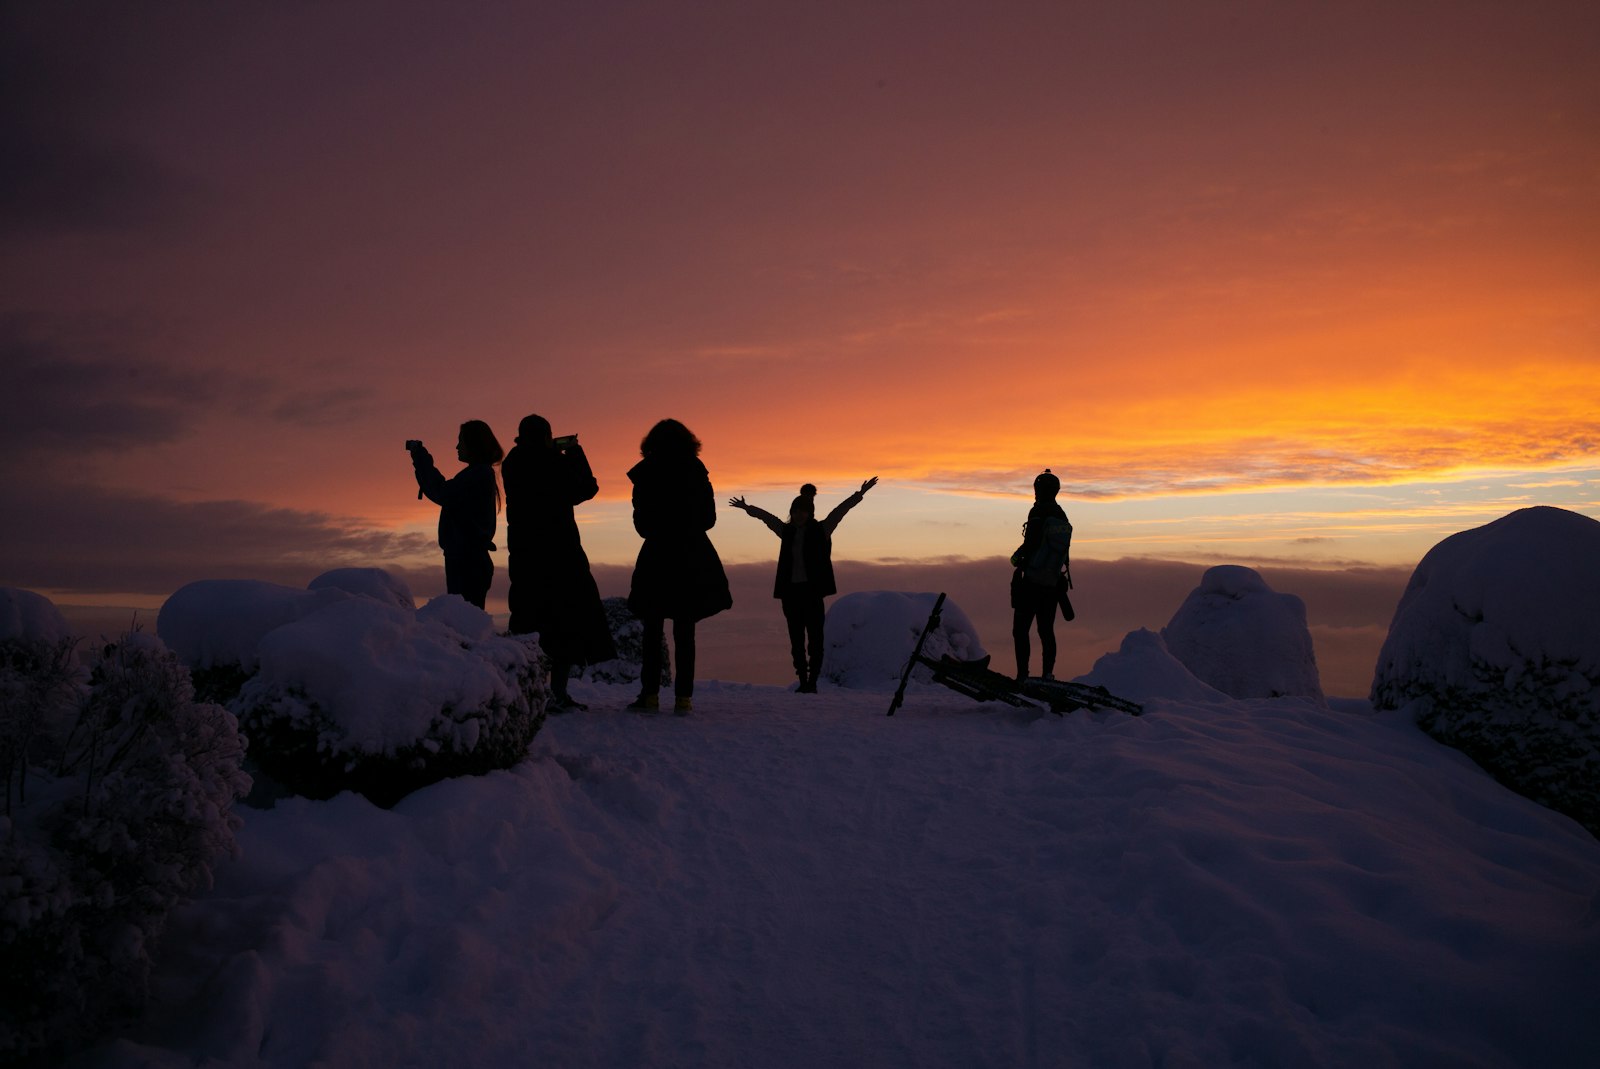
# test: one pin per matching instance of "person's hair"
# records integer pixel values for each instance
(806, 501)
(480, 446)
(478, 443)
(670, 436)
(1046, 484)
(534, 430)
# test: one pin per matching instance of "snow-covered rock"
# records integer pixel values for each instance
(869, 637)
(1235, 633)
(1495, 647)
(1144, 669)
(367, 696)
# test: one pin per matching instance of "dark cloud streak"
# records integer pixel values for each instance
(87, 540)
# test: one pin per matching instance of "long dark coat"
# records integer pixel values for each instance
(678, 575)
(552, 589)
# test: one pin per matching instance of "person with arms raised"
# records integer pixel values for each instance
(805, 572)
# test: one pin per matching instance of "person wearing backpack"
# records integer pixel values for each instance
(1041, 579)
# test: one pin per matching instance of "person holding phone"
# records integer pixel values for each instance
(469, 508)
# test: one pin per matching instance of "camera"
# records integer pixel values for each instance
(413, 444)
(565, 441)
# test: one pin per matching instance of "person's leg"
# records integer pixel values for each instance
(683, 682)
(650, 664)
(1021, 620)
(683, 651)
(794, 616)
(815, 614)
(469, 575)
(560, 677)
(1046, 621)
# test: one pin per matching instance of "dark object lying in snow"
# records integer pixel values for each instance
(976, 680)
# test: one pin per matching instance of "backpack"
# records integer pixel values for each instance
(1049, 557)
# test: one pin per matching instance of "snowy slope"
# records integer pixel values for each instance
(784, 880)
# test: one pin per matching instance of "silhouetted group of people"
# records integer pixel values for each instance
(678, 575)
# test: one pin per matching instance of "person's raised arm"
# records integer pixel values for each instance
(581, 483)
(430, 480)
(773, 523)
(847, 504)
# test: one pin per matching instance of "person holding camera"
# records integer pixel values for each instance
(678, 575)
(805, 572)
(552, 590)
(469, 507)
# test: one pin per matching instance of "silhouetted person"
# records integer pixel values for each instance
(679, 575)
(1037, 583)
(552, 590)
(469, 503)
(805, 572)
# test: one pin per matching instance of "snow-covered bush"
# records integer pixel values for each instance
(869, 636)
(128, 804)
(1495, 647)
(627, 632)
(215, 625)
(374, 583)
(1237, 634)
(364, 695)
(41, 682)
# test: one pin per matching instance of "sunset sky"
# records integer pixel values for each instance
(1312, 284)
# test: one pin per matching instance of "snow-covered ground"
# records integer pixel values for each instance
(796, 880)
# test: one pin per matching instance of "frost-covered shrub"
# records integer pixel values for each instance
(1495, 647)
(215, 625)
(366, 696)
(627, 632)
(374, 583)
(869, 636)
(123, 821)
(1237, 634)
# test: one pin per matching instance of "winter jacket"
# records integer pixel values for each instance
(678, 575)
(467, 504)
(815, 541)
